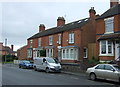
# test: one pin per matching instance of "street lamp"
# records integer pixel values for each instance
(5, 48)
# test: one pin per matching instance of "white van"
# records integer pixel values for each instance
(47, 64)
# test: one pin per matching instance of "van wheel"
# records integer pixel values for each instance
(119, 80)
(19, 66)
(35, 68)
(47, 70)
(92, 76)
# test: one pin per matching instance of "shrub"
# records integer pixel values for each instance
(93, 61)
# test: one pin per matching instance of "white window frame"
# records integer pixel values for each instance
(107, 52)
(109, 24)
(86, 52)
(59, 38)
(68, 55)
(50, 40)
(29, 53)
(39, 42)
(71, 38)
(31, 41)
(49, 52)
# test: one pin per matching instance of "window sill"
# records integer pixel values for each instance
(108, 32)
(85, 57)
(106, 55)
(70, 43)
(68, 59)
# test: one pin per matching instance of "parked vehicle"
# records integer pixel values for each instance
(25, 64)
(104, 71)
(47, 64)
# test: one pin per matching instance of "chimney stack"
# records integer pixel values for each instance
(92, 13)
(113, 3)
(60, 21)
(41, 27)
(12, 47)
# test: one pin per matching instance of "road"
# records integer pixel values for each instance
(12, 75)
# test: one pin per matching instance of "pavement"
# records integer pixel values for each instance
(82, 73)
(74, 73)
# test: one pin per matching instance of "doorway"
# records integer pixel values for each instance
(117, 51)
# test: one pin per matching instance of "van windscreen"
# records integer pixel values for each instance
(51, 60)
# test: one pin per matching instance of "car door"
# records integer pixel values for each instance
(110, 73)
(99, 71)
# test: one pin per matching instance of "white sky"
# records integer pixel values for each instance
(21, 18)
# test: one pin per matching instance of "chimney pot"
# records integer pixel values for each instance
(113, 3)
(60, 21)
(41, 27)
(92, 13)
(12, 47)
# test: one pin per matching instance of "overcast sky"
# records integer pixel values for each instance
(20, 20)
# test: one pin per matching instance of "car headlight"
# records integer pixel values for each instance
(52, 67)
(27, 64)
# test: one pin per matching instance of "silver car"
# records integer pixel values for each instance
(104, 71)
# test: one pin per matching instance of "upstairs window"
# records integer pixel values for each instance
(109, 25)
(39, 42)
(31, 41)
(50, 40)
(59, 38)
(71, 38)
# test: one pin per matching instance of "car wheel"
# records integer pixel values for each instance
(25, 67)
(35, 68)
(47, 70)
(92, 76)
(19, 66)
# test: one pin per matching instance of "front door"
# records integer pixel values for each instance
(117, 51)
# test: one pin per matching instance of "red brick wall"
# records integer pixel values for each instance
(22, 53)
(35, 43)
(88, 36)
(100, 29)
(117, 23)
(77, 39)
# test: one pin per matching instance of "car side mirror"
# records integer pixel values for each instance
(113, 70)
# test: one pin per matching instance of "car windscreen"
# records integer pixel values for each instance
(27, 62)
(117, 68)
(51, 60)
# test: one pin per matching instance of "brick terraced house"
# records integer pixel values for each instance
(108, 33)
(6, 50)
(69, 43)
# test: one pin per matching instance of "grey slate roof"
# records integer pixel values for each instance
(59, 29)
(115, 10)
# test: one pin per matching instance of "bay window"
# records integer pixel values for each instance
(70, 53)
(106, 47)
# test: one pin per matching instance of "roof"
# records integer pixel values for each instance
(115, 10)
(22, 47)
(110, 36)
(59, 29)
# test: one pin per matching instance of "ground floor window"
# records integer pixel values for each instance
(36, 53)
(106, 47)
(49, 52)
(85, 52)
(70, 53)
(29, 53)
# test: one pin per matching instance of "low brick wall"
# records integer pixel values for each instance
(75, 67)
